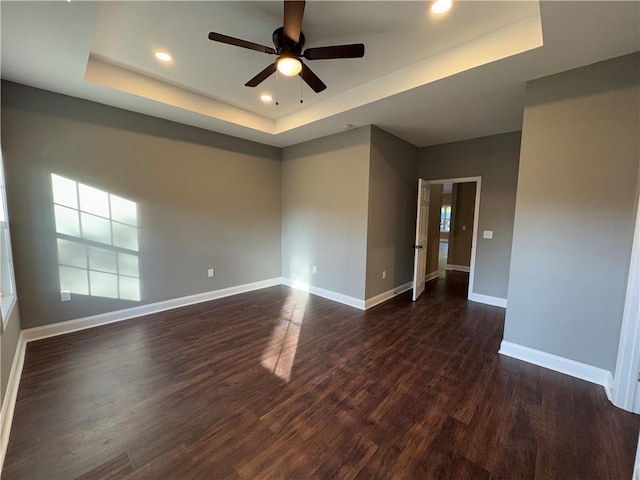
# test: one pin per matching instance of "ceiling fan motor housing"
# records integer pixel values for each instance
(284, 44)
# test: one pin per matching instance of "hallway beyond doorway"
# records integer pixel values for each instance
(449, 283)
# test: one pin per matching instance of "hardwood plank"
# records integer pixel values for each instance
(280, 384)
(117, 467)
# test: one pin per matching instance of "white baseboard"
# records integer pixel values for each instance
(431, 276)
(345, 299)
(328, 294)
(389, 294)
(488, 300)
(575, 369)
(11, 394)
(403, 288)
(458, 268)
(45, 331)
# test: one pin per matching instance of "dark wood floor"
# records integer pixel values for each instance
(274, 384)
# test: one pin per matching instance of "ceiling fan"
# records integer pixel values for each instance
(289, 41)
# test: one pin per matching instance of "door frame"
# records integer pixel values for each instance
(625, 383)
(476, 217)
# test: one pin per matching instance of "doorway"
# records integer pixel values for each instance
(446, 237)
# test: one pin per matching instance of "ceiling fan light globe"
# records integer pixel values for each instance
(289, 66)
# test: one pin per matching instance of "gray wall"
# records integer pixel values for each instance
(203, 199)
(325, 193)
(461, 234)
(433, 229)
(393, 195)
(575, 211)
(495, 158)
(9, 339)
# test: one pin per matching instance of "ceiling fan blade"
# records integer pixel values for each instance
(355, 50)
(312, 79)
(218, 37)
(262, 76)
(293, 13)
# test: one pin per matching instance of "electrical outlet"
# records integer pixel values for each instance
(384, 274)
(314, 269)
(464, 228)
(65, 296)
(211, 273)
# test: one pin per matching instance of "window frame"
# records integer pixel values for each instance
(7, 301)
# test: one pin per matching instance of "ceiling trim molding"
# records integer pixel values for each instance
(113, 76)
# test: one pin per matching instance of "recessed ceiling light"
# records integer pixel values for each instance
(163, 56)
(441, 6)
(266, 98)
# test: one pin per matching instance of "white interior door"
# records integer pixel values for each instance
(422, 226)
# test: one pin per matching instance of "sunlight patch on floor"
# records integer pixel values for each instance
(279, 355)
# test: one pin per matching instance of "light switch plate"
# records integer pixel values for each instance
(65, 296)
(487, 234)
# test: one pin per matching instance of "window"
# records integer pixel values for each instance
(445, 218)
(7, 280)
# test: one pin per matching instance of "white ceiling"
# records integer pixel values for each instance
(428, 80)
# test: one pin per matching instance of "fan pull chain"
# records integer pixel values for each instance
(277, 84)
(300, 89)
